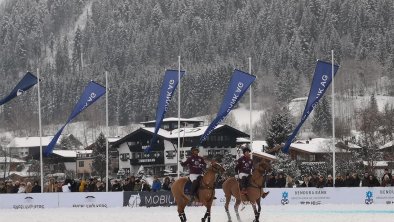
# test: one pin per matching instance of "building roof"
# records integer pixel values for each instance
(70, 153)
(33, 141)
(387, 145)
(257, 149)
(377, 163)
(316, 145)
(174, 119)
(12, 160)
(173, 134)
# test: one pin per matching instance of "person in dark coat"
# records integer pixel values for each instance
(320, 182)
(196, 166)
(329, 182)
(116, 187)
(128, 186)
(349, 180)
(2, 187)
(281, 181)
(244, 168)
(373, 181)
(271, 182)
(166, 184)
(36, 188)
(365, 180)
(339, 182)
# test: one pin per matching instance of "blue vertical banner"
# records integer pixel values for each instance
(321, 80)
(170, 82)
(239, 83)
(24, 84)
(93, 91)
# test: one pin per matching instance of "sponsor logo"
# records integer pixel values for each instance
(369, 199)
(285, 199)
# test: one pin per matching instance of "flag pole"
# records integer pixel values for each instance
(107, 129)
(40, 131)
(179, 116)
(250, 106)
(333, 115)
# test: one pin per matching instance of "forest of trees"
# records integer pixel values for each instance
(72, 42)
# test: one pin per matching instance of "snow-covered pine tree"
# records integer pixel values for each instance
(322, 118)
(99, 149)
(229, 164)
(280, 128)
(285, 164)
(370, 122)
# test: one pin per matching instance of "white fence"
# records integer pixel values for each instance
(277, 196)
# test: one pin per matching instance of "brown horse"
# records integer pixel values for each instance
(206, 191)
(254, 190)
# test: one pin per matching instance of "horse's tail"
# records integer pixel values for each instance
(178, 192)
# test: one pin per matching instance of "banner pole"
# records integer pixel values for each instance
(250, 106)
(333, 116)
(40, 131)
(107, 129)
(179, 117)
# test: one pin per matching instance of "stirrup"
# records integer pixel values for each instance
(265, 194)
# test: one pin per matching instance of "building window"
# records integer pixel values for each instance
(170, 155)
(312, 157)
(81, 164)
(124, 156)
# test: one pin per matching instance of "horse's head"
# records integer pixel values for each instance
(216, 167)
(263, 166)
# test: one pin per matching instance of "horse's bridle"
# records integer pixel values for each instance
(216, 168)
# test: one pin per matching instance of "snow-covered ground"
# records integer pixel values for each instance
(321, 213)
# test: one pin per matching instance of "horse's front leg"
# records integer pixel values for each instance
(207, 214)
(256, 213)
(182, 216)
(258, 205)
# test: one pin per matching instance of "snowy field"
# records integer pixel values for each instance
(298, 213)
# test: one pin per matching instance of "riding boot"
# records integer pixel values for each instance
(244, 185)
(194, 189)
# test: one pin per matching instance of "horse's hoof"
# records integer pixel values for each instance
(265, 194)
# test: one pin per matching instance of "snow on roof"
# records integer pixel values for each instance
(243, 140)
(113, 139)
(257, 148)
(34, 141)
(387, 145)
(171, 119)
(377, 163)
(316, 145)
(184, 132)
(12, 160)
(70, 153)
(353, 146)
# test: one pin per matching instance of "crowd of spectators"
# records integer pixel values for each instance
(132, 183)
(318, 180)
